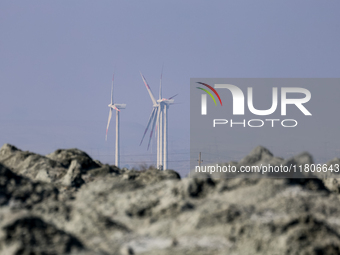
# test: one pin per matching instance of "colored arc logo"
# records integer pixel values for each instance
(209, 93)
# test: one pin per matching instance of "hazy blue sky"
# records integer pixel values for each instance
(57, 59)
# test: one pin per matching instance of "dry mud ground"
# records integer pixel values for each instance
(68, 203)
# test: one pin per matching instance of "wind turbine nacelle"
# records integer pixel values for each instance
(166, 101)
(120, 106)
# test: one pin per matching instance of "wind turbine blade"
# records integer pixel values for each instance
(173, 96)
(157, 121)
(112, 90)
(148, 89)
(153, 126)
(108, 123)
(160, 86)
(147, 126)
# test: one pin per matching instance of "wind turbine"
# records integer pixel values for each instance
(116, 107)
(159, 118)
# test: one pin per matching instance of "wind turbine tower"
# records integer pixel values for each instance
(159, 118)
(116, 107)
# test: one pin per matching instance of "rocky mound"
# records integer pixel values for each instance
(31, 235)
(85, 207)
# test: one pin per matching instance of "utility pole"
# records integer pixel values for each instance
(199, 159)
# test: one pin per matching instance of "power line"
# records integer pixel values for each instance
(141, 155)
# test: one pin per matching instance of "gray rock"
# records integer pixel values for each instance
(258, 154)
(73, 175)
(31, 235)
(30, 164)
(118, 211)
(334, 161)
(21, 192)
(332, 184)
(300, 159)
(126, 251)
(43, 176)
(66, 157)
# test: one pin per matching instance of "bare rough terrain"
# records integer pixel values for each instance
(68, 203)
